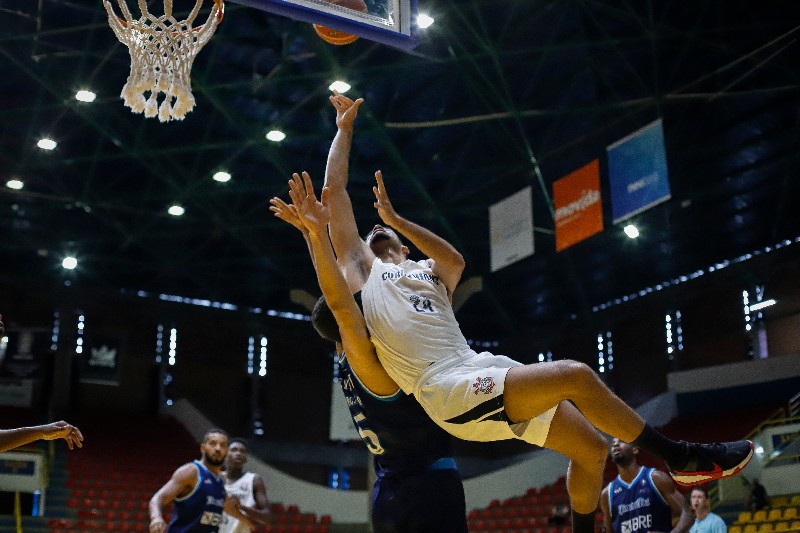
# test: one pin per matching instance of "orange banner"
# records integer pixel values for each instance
(578, 205)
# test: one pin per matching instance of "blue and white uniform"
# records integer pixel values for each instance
(420, 344)
(201, 510)
(638, 506)
(418, 489)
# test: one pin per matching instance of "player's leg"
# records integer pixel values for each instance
(574, 437)
(533, 389)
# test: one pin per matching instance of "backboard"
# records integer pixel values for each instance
(391, 22)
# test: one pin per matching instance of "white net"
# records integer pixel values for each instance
(162, 51)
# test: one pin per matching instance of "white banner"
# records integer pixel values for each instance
(511, 229)
(16, 392)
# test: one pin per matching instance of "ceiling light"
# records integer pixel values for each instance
(222, 176)
(14, 184)
(423, 21)
(339, 86)
(176, 210)
(69, 263)
(631, 231)
(276, 136)
(46, 144)
(762, 305)
(85, 96)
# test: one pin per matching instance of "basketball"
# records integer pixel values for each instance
(332, 36)
(337, 37)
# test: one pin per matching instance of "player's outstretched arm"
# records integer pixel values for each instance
(448, 262)
(13, 438)
(315, 216)
(353, 255)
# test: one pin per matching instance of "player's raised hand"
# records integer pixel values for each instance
(346, 110)
(287, 213)
(313, 213)
(382, 203)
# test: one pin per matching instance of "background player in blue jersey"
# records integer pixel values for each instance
(197, 492)
(642, 499)
(417, 489)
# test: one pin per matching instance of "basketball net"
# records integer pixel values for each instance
(162, 51)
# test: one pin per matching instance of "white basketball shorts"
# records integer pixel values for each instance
(464, 395)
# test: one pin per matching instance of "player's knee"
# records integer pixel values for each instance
(581, 377)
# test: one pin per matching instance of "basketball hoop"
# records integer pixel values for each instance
(162, 52)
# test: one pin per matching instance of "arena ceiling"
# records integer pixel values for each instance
(498, 96)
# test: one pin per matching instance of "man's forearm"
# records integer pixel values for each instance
(13, 438)
(259, 516)
(338, 164)
(156, 510)
(430, 244)
(330, 278)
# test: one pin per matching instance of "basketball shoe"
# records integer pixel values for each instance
(708, 462)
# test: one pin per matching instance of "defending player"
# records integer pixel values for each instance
(642, 499)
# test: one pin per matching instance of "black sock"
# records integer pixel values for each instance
(672, 451)
(582, 523)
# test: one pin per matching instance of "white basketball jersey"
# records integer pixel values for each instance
(242, 488)
(410, 319)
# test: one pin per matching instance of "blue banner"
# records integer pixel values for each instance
(637, 172)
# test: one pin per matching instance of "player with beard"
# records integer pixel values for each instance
(641, 498)
(198, 492)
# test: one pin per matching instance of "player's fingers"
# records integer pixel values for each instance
(308, 185)
(295, 196)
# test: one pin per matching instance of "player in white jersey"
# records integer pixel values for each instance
(407, 307)
(248, 487)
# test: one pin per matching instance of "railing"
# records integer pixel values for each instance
(777, 418)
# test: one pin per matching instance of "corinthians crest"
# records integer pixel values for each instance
(483, 385)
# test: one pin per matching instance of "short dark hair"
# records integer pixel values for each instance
(213, 431)
(701, 489)
(324, 322)
(239, 440)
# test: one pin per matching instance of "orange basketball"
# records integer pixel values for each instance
(337, 37)
(334, 36)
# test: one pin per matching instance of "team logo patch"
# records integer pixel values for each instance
(484, 385)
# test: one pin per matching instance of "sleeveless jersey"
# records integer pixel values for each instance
(201, 510)
(401, 437)
(242, 488)
(410, 319)
(638, 507)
